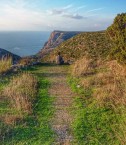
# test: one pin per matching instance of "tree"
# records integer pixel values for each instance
(117, 34)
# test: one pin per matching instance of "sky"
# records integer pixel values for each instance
(67, 15)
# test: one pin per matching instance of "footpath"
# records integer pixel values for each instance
(63, 97)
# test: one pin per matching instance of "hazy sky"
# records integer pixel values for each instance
(48, 15)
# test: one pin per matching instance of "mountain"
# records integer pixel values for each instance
(94, 44)
(55, 39)
(4, 53)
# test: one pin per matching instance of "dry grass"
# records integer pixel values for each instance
(107, 78)
(21, 93)
(25, 61)
(84, 66)
(108, 85)
(5, 65)
(112, 85)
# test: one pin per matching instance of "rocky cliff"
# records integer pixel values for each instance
(5, 53)
(55, 39)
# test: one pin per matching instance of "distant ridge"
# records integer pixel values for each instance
(55, 39)
(4, 53)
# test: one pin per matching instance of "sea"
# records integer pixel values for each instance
(23, 43)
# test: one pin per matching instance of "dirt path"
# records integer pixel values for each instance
(63, 102)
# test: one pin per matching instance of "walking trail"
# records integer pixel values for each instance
(63, 103)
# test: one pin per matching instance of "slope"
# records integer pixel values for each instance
(94, 44)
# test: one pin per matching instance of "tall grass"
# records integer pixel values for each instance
(100, 115)
(5, 64)
(21, 92)
(85, 66)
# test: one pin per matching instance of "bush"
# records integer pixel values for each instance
(117, 34)
(5, 65)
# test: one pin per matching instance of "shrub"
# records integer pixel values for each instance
(117, 34)
(5, 65)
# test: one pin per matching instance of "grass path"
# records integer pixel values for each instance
(60, 90)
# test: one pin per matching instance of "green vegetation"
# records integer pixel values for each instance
(100, 112)
(93, 44)
(26, 120)
(117, 34)
(5, 65)
(99, 108)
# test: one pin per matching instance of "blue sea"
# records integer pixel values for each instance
(23, 43)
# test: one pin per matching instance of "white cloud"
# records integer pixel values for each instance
(20, 16)
(15, 16)
(98, 9)
(59, 11)
(67, 12)
(74, 16)
(81, 7)
(67, 7)
(16, 48)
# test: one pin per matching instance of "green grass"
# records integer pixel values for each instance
(94, 124)
(34, 129)
(3, 102)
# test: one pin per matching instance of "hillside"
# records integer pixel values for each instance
(55, 39)
(95, 44)
(4, 53)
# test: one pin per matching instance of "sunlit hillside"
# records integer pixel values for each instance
(94, 44)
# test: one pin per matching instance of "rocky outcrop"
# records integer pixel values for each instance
(55, 39)
(4, 53)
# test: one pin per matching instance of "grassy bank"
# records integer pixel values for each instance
(96, 125)
(99, 114)
(33, 127)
